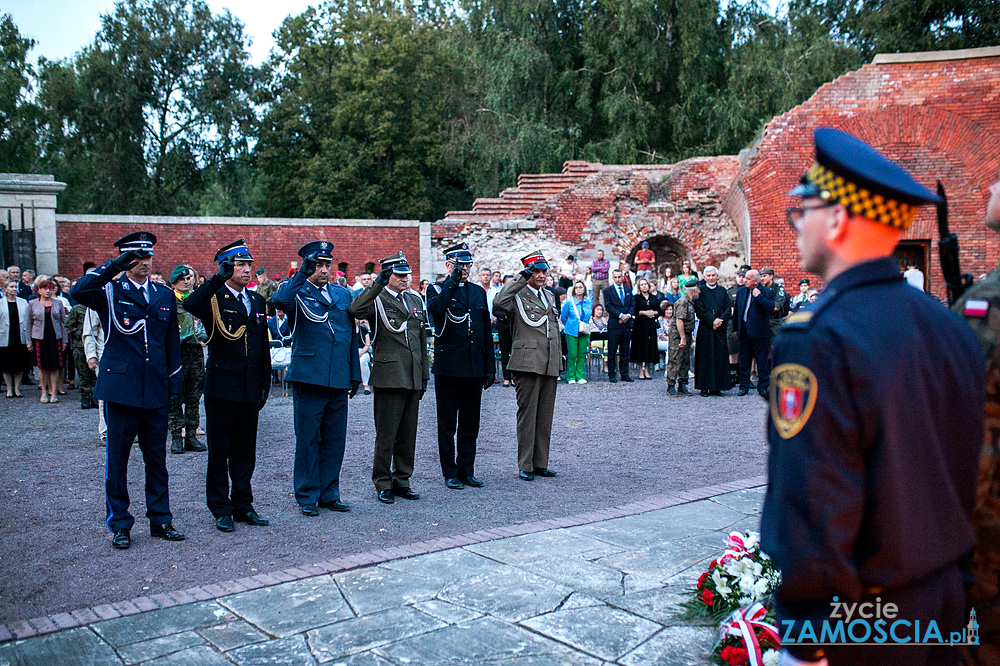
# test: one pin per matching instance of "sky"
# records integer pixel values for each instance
(63, 27)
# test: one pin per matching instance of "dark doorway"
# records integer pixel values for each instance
(917, 252)
(369, 267)
(342, 267)
(669, 253)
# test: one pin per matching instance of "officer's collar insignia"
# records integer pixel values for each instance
(125, 285)
(976, 308)
(793, 397)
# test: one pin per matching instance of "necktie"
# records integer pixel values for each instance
(746, 312)
(142, 294)
(621, 294)
(325, 294)
(541, 297)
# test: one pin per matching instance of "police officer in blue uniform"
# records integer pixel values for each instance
(464, 365)
(237, 383)
(876, 422)
(325, 371)
(140, 375)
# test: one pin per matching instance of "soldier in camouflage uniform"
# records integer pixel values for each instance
(782, 302)
(85, 377)
(681, 337)
(186, 416)
(266, 287)
(980, 306)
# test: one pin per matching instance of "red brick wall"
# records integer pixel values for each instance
(940, 120)
(273, 246)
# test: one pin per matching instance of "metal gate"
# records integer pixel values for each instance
(17, 233)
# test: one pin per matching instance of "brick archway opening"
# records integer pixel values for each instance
(669, 252)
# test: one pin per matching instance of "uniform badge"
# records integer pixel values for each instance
(127, 322)
(793, 396)
(976, 308)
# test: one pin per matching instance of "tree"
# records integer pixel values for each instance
(18, 151)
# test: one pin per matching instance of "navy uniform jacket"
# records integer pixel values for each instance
(324, 342)
(616, 307)
(464, 343)
(758, 322)
(237, 370)
(141, 364)
(875, 429)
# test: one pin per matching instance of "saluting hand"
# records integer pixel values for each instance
(308, 264)
(226, 268)
(126, 261)
(383, 277)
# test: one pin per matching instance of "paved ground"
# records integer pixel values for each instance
(613, 444)
(599, 593)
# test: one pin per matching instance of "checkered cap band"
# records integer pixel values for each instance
(860, 201)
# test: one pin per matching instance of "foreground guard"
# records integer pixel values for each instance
(464, 365)
(237, 383)
(399, 373)
(139, 374)
(324, 373)
(876, 425)
(535, 362)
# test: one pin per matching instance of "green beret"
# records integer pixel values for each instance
(181, 271)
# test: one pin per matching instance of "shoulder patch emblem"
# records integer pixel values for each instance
(793, 397)
(976, 308)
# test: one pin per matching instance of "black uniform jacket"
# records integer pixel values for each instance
(875, 429)
(238, 370)
(464, 344)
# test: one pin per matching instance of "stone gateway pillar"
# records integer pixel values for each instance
(36, 196)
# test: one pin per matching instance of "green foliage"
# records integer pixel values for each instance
(18, 151)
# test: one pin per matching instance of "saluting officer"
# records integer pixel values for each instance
(535, 361)
(325, 372)
(237, 382)
(464, 365)
(873, 457)
(399, 373)
(140, 373)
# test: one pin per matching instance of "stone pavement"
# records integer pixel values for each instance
(599, 590)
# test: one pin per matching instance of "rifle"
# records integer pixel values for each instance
(956, 281)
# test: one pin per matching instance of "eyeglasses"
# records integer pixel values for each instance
(796, 215)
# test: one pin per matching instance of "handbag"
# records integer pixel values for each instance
(584, 326)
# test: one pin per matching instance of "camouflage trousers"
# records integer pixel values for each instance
(678, 360)
(187, 417)
(86, 378)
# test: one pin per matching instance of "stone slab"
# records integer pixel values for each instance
(364, 659)
(580, 574)
(202, 656)
(369, 631)
(554, 544)
(674, 646)
(290, 608)
(376, 589)
(74, 647)
(447, 613)
(232, 635)
(508, 593)
(291, 651)
(446, 565)
(137, 653)
(661, 605)
(146, 626)
(608, 633)
(749, 501)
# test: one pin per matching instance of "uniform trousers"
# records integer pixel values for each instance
(86, 378)
(755, 349)
(192, 385)
(619, 344)
(320, 418)
(395, 436)
(231, 428)
(505, 341)
(678, 359)
(536, 400)
(459, 400)
(124, 423)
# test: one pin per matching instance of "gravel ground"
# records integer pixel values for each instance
(612, 444)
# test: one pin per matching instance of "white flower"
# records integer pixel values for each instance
(752, 540)
(721, 584)
(760, 589)
(772, 658)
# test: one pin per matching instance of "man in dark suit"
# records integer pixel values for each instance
(278, 326)
(140, 373)
(464, 365)
(620, 304)
(324, 372)
(752, 314)
(237, 382)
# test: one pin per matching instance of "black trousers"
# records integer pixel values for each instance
(320, 417)
(231, 430)
(459, 400)
(755, 349)
(124, 423)
(619, 344)
(506, 341)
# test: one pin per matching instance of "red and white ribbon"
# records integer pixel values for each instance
(742, 624)
(737, 547)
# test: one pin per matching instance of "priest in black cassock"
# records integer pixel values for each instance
(711, 353)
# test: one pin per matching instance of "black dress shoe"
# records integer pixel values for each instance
(165, 532)
(454, 484)
(626, 378)
(121, 539)
(336, 505)
(386, 496)
(544, 471)
(526, 476)
(251, 518)
(224, 524)
(671, 391)
(309, 510)
(405, 493)
(613, 380)
(177, 444)
(743, 391)
(763, 394)
(192, 444)
(703, 393)
(471, 481)
(717, 394)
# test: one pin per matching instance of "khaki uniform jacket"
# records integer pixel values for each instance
(399, 360)
(684, 311)
(534, 328)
